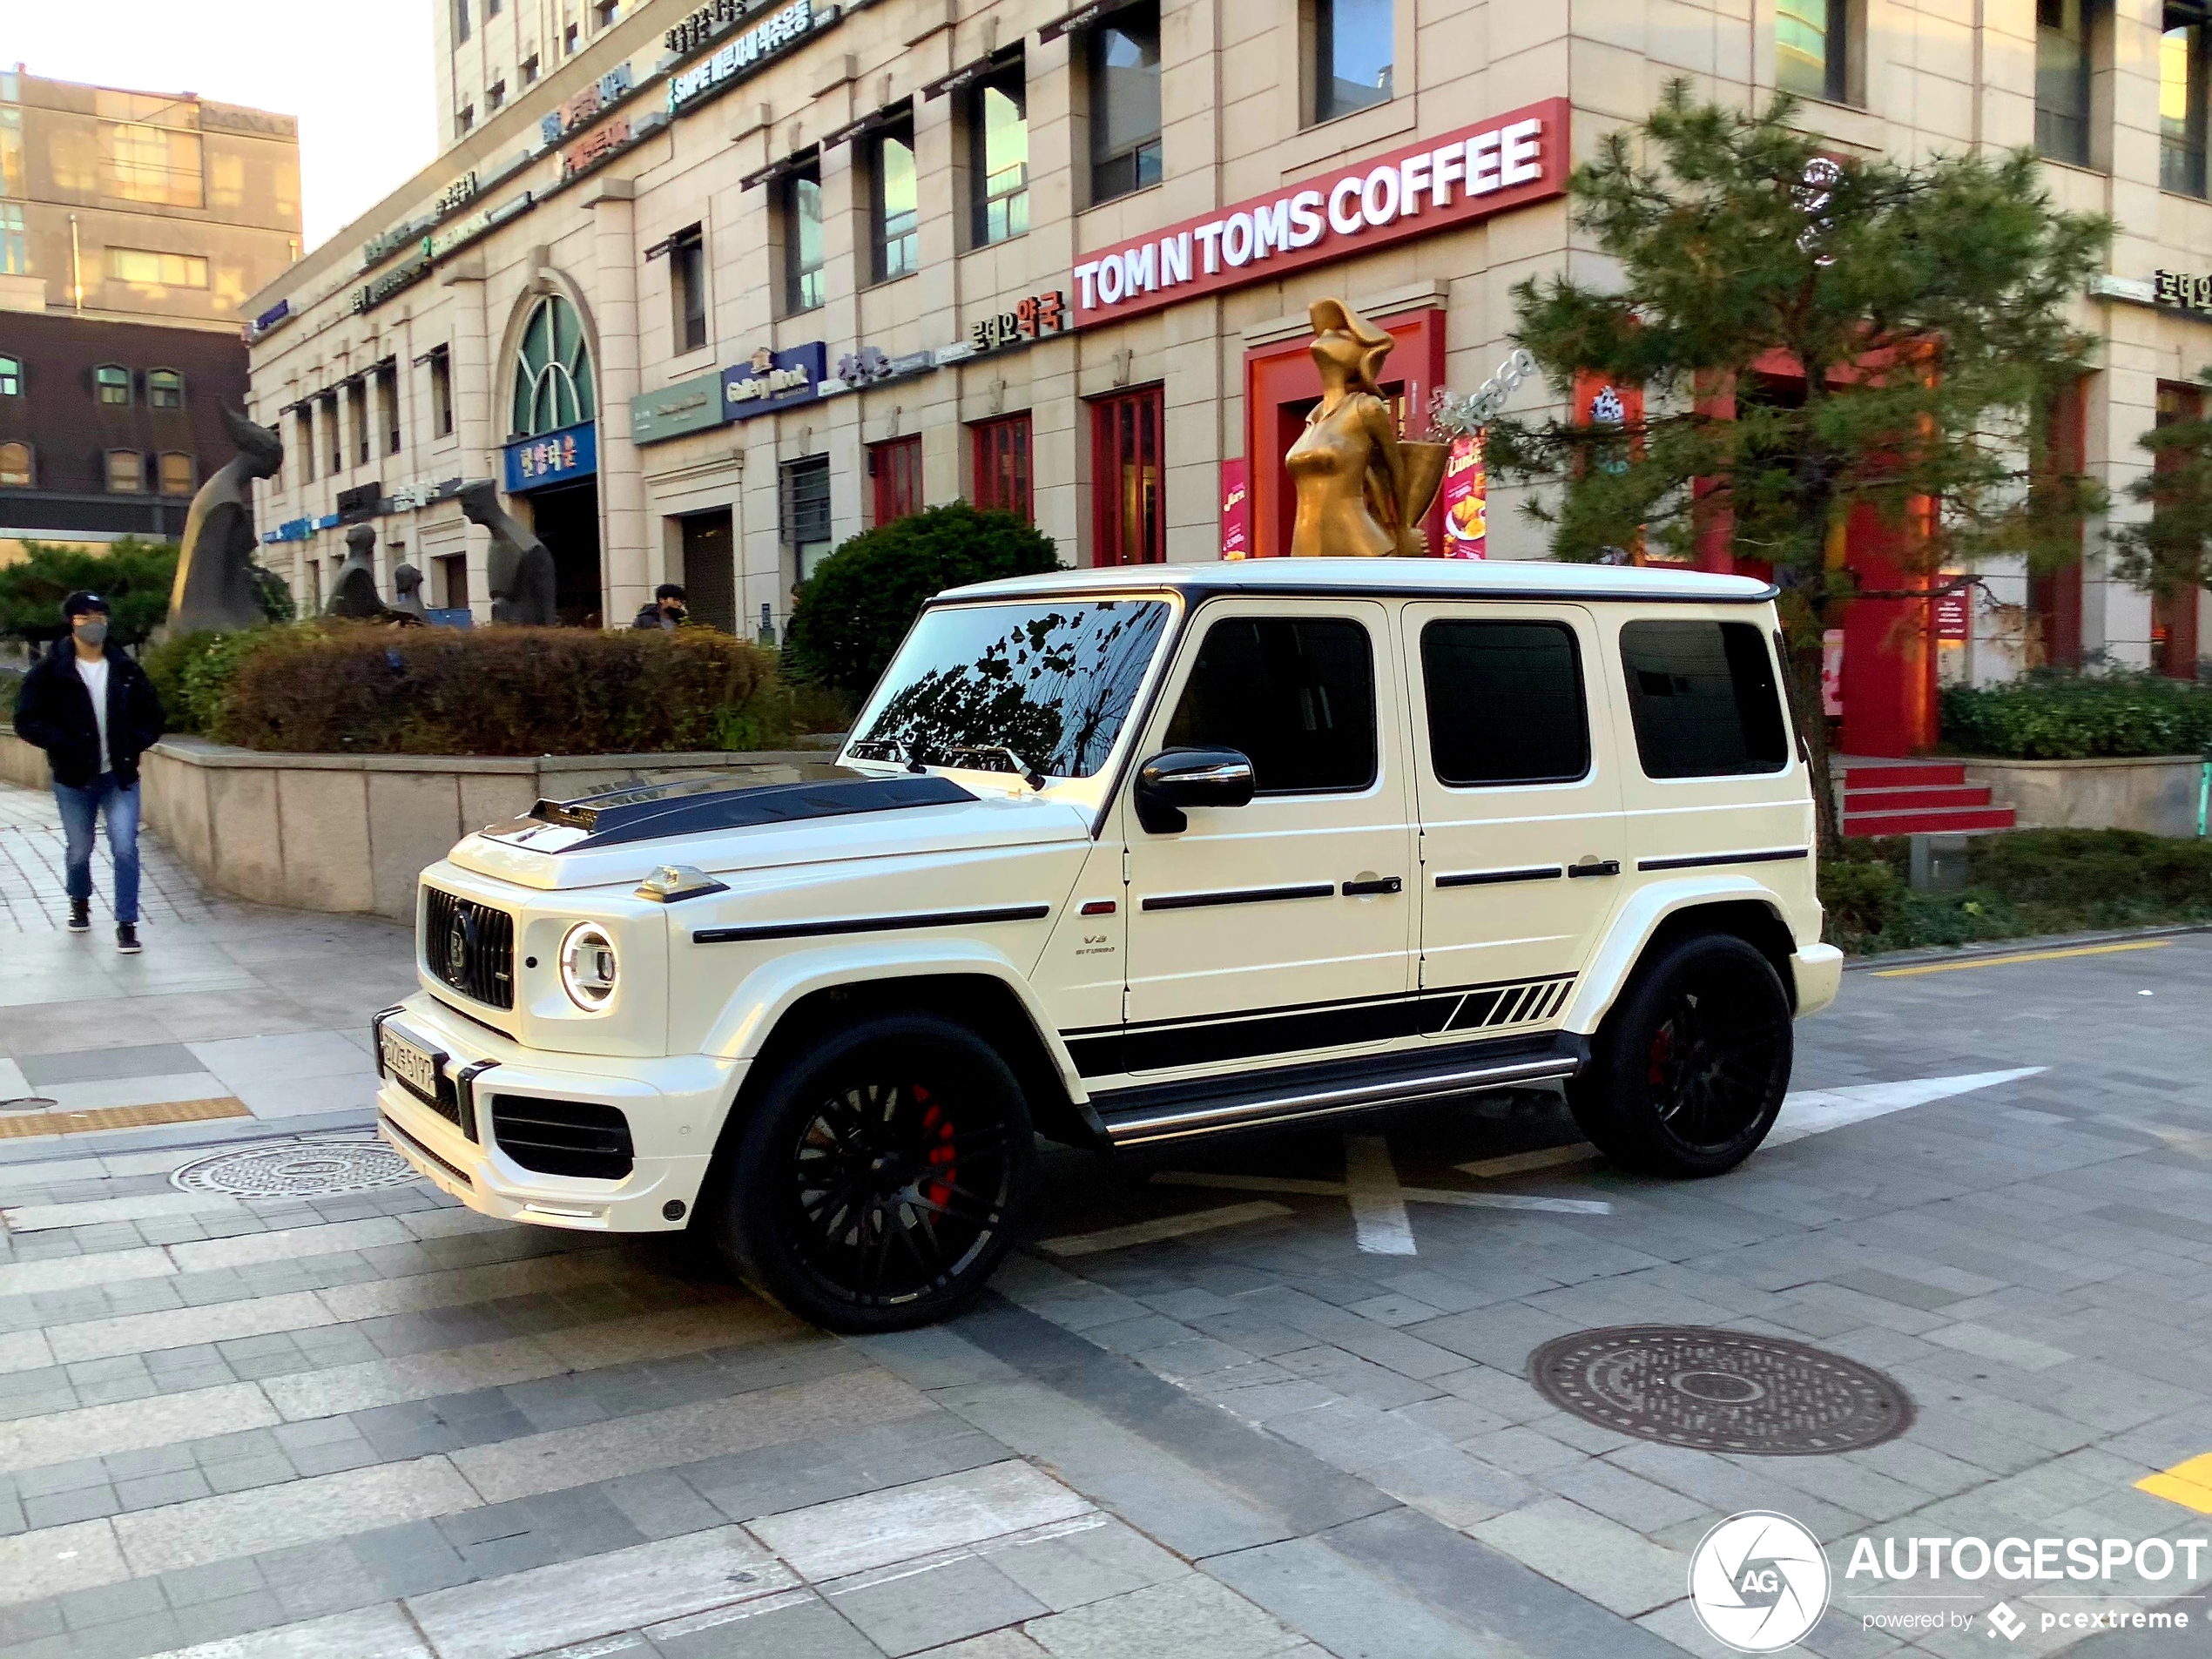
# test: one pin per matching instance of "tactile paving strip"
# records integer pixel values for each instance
(16, 1126)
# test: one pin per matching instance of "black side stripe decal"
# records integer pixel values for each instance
(868, 924)
(1492, 878)
(1243, 895)
(1774, 855)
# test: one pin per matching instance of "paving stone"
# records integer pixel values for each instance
(905, 1610)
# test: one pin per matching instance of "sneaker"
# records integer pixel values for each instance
(80, 915)
(126, 938)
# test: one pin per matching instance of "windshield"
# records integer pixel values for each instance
(1054, 683)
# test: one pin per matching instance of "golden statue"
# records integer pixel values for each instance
(1361, 492)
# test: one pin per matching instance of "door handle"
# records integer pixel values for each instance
(1595, 866)
(1377, 884)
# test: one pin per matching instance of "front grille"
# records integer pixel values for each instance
(469, 947)
(562, 1137)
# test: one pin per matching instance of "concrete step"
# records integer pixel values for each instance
(1891, 800)
(1905, 774)
(1939, 820)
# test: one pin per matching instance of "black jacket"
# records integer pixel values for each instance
(54, 711)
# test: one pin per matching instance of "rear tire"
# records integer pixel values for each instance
(1690, 1066)
(879, 1177)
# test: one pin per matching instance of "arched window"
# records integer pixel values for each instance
(10, 377)
(165, 388)
(126, 472)
(111, 383)
(178, 473)
(552, 371)
(15, 466)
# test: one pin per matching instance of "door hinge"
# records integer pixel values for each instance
(1125, 866)
(1125, 1005)
(1420, 973)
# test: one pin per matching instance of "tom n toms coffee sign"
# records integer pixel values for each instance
(1437, 185)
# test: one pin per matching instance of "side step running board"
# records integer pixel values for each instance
(1311, 1092)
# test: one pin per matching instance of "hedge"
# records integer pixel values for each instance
(360, 688)
(2072, 716)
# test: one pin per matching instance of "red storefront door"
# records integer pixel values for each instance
(1128, 518)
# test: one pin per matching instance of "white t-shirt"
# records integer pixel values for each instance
(94, 674)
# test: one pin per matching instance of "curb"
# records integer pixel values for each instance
(2011, 947)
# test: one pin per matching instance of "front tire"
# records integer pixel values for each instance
(881, 1176)
(1692, 1064)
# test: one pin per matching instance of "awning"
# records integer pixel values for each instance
(1080, 17)
(976, 70)
(775, 170)
(903, 109)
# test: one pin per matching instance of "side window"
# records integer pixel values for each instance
(1505, 703)
(1297, 696)
(1704, 697)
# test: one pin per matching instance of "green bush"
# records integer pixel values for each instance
(340, 688)
(132, 575)
(192, 673)
(2018, 884)
(854, 611)
(2047, 716)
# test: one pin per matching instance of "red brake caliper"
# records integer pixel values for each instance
(937, 1137)
(1662, 1048)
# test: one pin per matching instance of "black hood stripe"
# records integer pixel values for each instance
(626, 818)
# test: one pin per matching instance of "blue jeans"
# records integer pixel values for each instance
(79, 808)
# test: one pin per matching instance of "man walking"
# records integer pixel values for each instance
(94, 711)
(666, 612)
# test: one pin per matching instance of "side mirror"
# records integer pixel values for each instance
(1176, 778)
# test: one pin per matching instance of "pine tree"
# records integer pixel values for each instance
(1924, 304)
(2171, 552)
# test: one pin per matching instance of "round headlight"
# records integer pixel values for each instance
(588, 966)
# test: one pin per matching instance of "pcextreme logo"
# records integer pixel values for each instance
(1758, 1581)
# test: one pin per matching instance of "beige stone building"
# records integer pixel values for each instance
(724, 283)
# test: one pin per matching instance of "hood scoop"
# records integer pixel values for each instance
(616, 817)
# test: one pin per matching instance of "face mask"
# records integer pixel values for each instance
(92, 633)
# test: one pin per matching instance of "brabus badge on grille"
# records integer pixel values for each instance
(460, 945)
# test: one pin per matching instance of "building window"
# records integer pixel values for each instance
(388, 407)
(894, 475)
(495, 95)
(803, 512)
(1002, 466)
(604, 12)
(148, 269)
(998, 134)
(333, 436)
(1354, 42)
(894, 216)
(553, 383)
(567, 41)
(158, 166)
(304, 424)
(442, 392)
(1810, 36)
(16, 471)
(1129, 525)
(15, 247)
(126, 472)
(687, 288)
(461, 29)
(357, 413)
(453, 581)
(10, 377)
(467, 119)
(2062, 79)
(178, 474)
(530, 70)
(2174, 647)
(111, 383)
(164, 390)
(802, 217)
(11, 153)
(2181, 87)
(710, 575)
(1125, 103)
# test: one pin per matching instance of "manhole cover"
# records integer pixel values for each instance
(27, 1103)
(296, 1170)
(1720, 1391)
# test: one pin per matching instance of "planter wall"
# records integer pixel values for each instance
(349, 833)
(2157, 793)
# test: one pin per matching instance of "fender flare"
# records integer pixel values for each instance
(1632, 928)
(772, 990)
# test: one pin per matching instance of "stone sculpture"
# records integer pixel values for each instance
(1361, 491)
(353, 594)
(215, 567)
(407, 585)
(520, 572)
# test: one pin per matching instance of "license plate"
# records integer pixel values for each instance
(416, 1068)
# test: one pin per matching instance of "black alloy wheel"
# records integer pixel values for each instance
(880, 1176)
(1692, 1063)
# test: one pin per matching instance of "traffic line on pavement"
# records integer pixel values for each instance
(1817, 1110)
(1163, 1227)
(2020, 956)
(1522, 1163)
(2188, 1483)
(383, 1631)
(1380, 1221)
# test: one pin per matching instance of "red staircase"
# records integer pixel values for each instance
(1914, 797)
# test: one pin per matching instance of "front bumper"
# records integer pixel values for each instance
(1819, 973)
(674, 1106)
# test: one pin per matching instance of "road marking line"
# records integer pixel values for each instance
(1521, 1163)
(1418, 1194)
(2022, 957)
(1379, 1217)
(2187, 1484)
(1817, 1110)
(1151, 1233)
(100, 1212)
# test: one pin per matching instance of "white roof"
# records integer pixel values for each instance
(1469, 578)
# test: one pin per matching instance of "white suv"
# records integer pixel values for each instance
(1127, 856)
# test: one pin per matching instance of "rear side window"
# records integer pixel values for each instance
(1704, 697)
(1505, 703)
(1297, 696)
